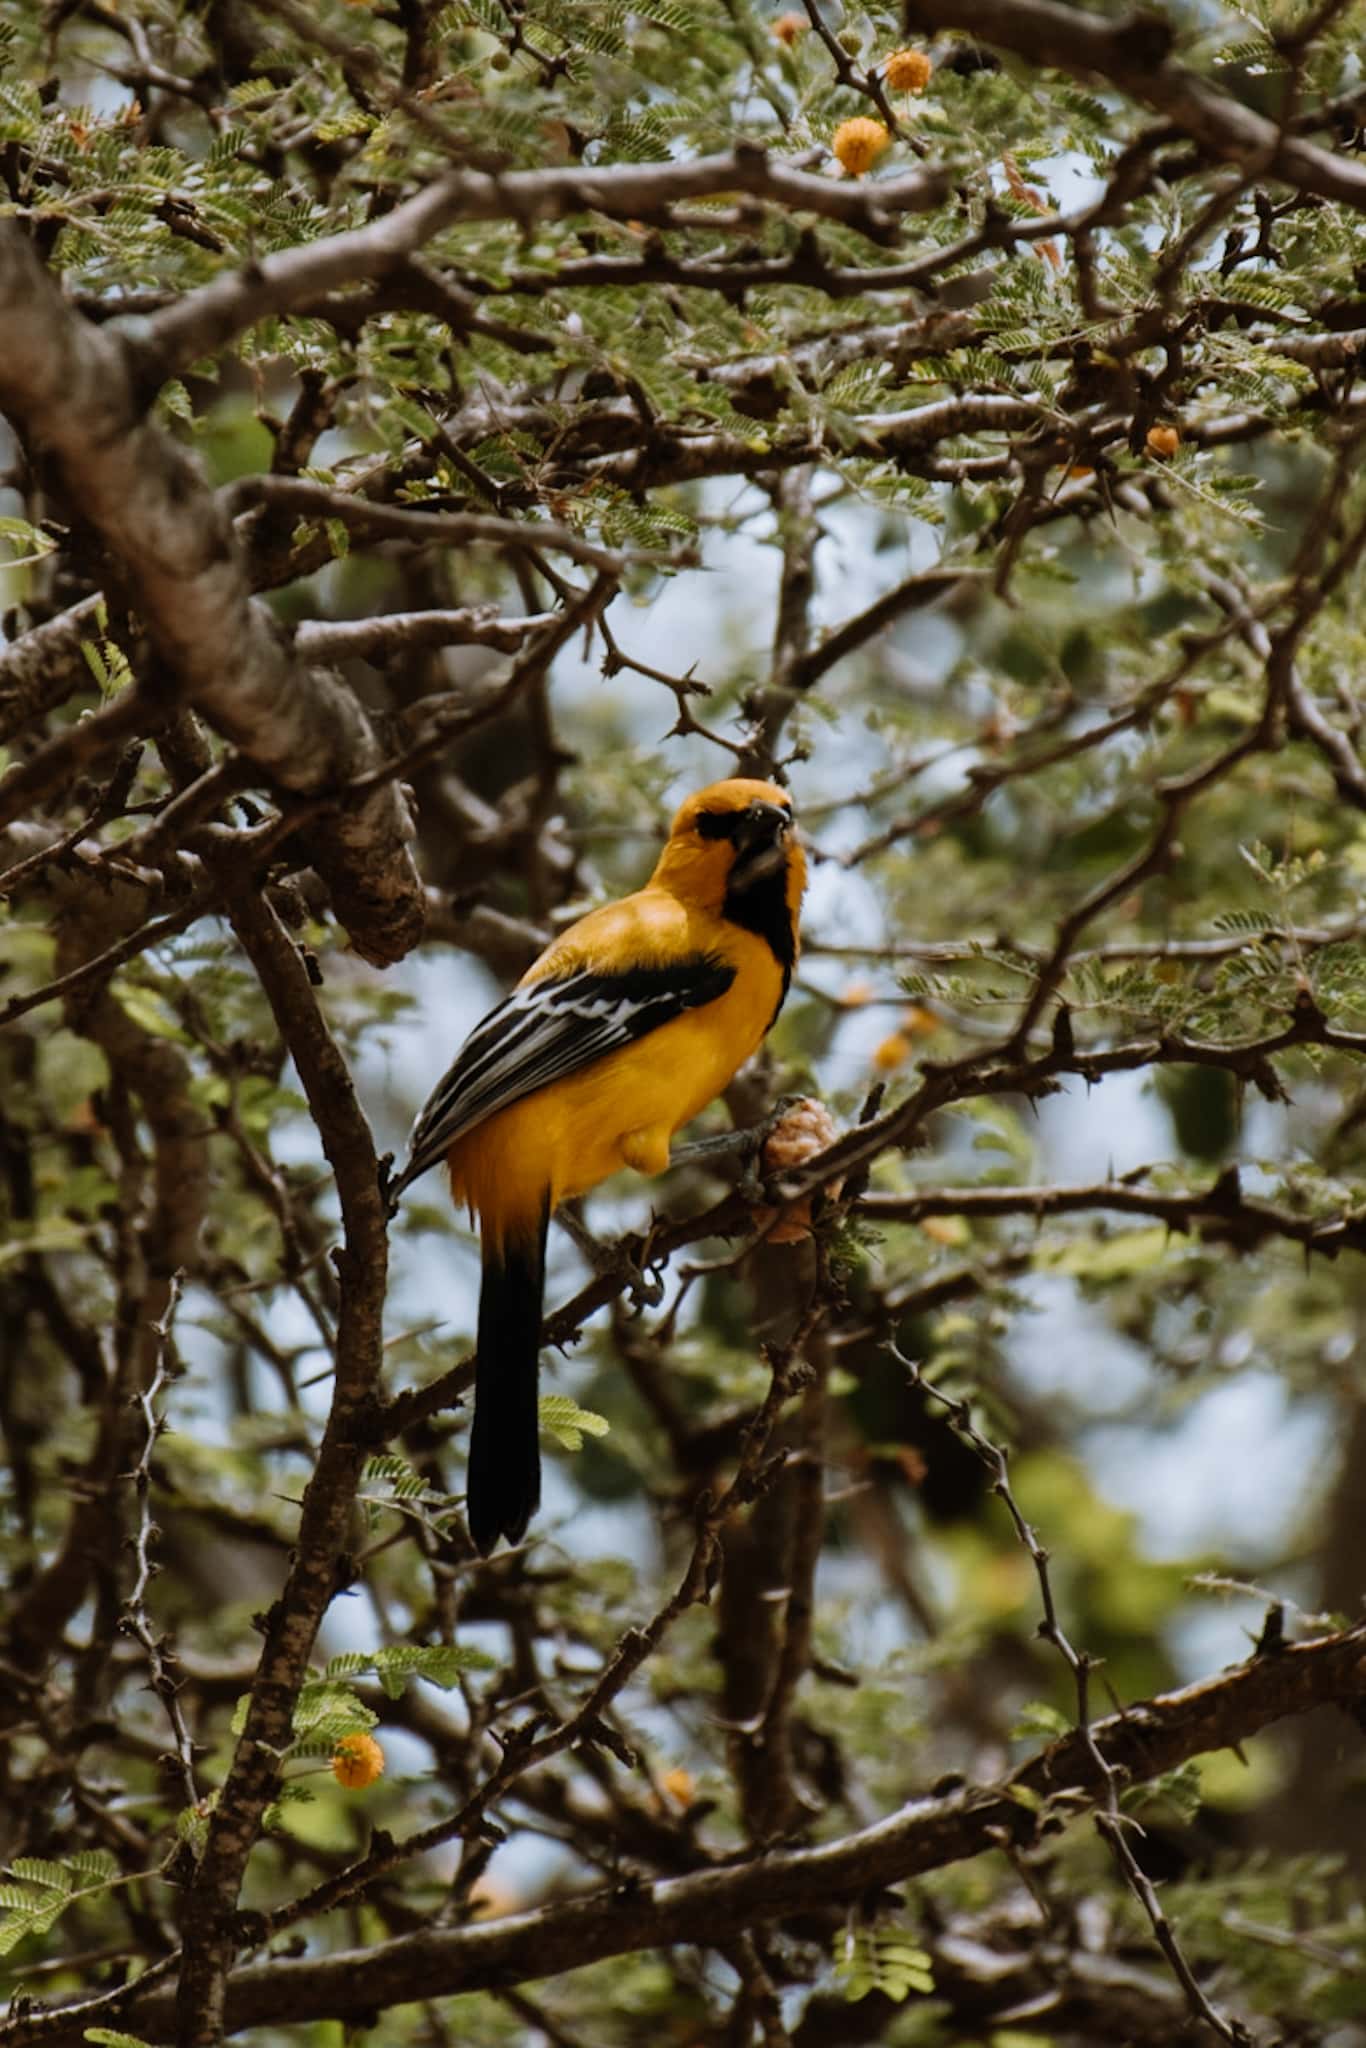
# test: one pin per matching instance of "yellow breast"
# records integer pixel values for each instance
(622, 1110)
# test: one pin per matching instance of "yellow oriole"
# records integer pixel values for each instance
(623, 1029)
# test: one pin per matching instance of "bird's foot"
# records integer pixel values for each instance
(746, 1146)
(645, 1287)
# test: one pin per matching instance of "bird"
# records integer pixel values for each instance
(629, 1023)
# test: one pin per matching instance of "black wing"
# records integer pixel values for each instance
(547, 1029)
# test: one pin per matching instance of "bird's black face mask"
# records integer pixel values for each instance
(756, 888)
(759, 834)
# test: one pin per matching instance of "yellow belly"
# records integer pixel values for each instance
(621, 1111)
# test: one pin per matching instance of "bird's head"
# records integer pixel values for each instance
(735, 841)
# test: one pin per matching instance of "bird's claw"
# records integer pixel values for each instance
(645, 1280)
(745, 1145)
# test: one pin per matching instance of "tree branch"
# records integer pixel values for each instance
(317, 1571)
(411, 522)
(203, 321)
(928, 1833)
(1221, 1212)
(72, 389)
(1133, 54)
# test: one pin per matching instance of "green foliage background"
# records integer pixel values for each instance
(1090, 753)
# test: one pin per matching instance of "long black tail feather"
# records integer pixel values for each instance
(503, 1488)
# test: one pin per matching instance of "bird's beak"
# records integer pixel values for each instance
(763, 824)
(761, 837)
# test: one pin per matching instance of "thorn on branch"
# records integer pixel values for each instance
(1271, 1640)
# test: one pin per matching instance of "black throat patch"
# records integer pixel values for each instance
(759, 905)
(762, 909)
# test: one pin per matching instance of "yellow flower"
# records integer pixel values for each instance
(357, 1761)
(907, 71)
(917, 1022)
(859, 143)
(948, 1230)
(678, 1786)
(893, 1052)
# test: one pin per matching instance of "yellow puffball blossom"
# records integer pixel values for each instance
(944, 1229)
(357, 1761)
(893, 1052)
(788, 27)
(917, 1022)
(859, 143)
(679, 1786)
(907, 70)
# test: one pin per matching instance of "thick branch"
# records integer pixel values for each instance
(1222, 1212)
(71, 388)
(36, 669)
(317, 1570)
(391, 633)
(926, 1834)
(306, 500)
(1133, 54)
(204, 320)
(995, 1073)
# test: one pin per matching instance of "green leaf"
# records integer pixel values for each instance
(109, 665)
(1025, 1796)
(45, 1890)
(562, 1418)
(26, 543)
(150, 1010)
(441, 1664)
(323, 1704)
(1036, 1718)
(35, 1870)
(70, 1070)
(869, 1959)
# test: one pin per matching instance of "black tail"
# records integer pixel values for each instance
(503, 1488)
